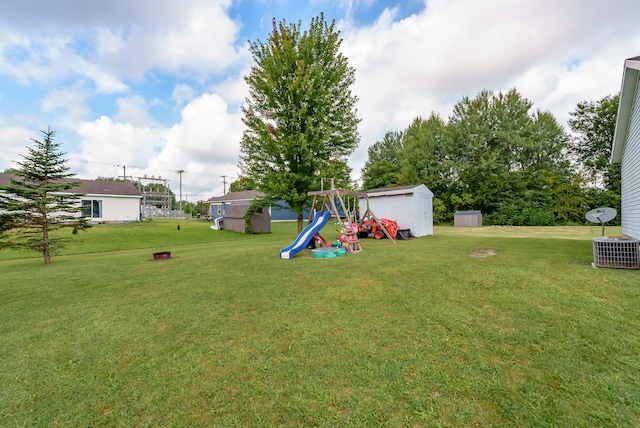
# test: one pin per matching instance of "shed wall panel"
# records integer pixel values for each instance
(412, 209)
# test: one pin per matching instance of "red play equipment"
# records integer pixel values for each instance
(350, 222)
(320, 241)
(377, 228)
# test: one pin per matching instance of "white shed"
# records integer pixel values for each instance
(410, 206)
(626, 147)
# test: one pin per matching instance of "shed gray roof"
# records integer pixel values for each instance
(399, 190)
(236, 211)
(392, 189)
(90, 187)
(246, 196)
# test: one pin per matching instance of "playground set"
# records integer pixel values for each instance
(341, 205)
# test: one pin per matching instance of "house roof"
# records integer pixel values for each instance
(236, 211)
(90, 187)
(627, 93)
(244, 196)
(399, 190)
(105, 187)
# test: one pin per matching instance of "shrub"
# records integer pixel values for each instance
(521, 212)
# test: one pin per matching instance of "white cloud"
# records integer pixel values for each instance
(193, 38)
(158, 55)
(234, 90)
(106, 145)
(429, 61)
(14, 139)
(133, 110)
(71, 101)
(196, 40)
(205, 143)
(182, 93)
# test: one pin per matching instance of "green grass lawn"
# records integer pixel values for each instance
(470, 327)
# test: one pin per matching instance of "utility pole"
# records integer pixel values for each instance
(224, 184)
(180, 172)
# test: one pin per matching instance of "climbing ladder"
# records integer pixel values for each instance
(332, 201)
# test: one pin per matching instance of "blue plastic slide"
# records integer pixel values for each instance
(303, 239)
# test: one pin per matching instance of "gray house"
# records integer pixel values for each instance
(626, 147)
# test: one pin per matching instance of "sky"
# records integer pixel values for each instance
(154, 87)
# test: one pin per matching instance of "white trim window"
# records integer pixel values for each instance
(92, 208)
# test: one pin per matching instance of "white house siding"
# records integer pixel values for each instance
(630, 164)
(626, 147)
(117, 208)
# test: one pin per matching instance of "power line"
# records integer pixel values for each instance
(150, 169)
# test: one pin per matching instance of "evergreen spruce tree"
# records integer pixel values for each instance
(38, 201)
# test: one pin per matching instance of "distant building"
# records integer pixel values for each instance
(278, 210)
(234, 219)
(218, 205)
(103, 201)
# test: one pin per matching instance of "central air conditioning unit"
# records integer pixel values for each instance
(618, 252)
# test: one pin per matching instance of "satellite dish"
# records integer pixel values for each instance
(601, 216)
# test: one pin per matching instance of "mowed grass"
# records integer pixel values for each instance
(470, 327)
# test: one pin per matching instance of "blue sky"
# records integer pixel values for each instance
(157, 85)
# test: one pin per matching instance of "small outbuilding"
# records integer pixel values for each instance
(218, 205)
(467, 218)
(234, 219)
(410, 206)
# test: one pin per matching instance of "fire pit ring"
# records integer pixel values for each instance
(161, 255)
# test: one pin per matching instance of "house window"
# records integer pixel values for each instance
(92, 208)
(219, 209)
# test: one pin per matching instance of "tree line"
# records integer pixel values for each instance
(495, 153)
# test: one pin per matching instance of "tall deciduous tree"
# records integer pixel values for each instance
(499, 148)
(38, 201)
(382, 168)
(493, 154)
(424, 158)
(300, 116)
(593, 125)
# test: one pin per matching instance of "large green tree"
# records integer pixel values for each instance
(38, 201)
(425, 155)
(500, 150)
(593, 124)
(300, 116)
(494, 154)
(382, 167)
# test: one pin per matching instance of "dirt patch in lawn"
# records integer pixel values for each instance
(483, 253)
